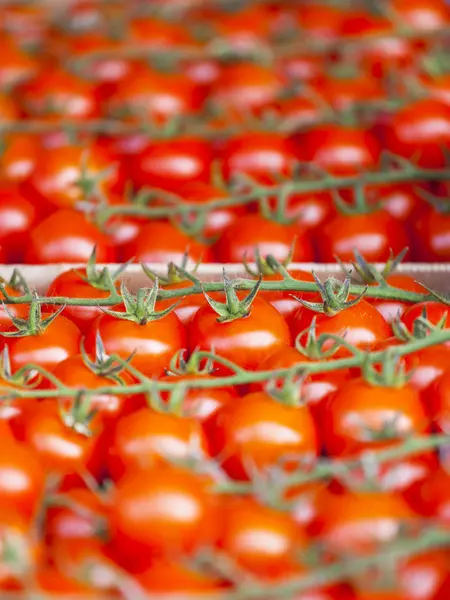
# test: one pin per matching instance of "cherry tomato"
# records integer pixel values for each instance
(374, 235)
(244, 521)
(170, 164)
(14, 310)
(426, 365)
(320, 20)
(421, 14)
(431, 233)
(163, 242)
(433, 311)
(362, 416)
(146, 437)
(245, 341)
(421, 132)
(391, 309)
(17, 217)
(48, 347)
(173, 577)
(253, 232)
(430, 497)
(154, 342)
(257, 432)
(150, 508)
(66, 236)
(342, 93)
(8, 110)
(361, 324)
(17, 66)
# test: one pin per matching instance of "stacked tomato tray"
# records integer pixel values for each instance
(225, 248)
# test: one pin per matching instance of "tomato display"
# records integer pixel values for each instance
(217, 378)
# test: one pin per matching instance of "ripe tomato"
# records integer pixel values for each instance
(146, 437)
(402, 201)
(320, 20)
(19, 463)
(18, 158)
(244, 521)
(390, 309)
(45, 347)
(343, 93)
(426, 365)
(154, 95)
(154, 342)
(258, 155)
(245, 87)
(245, 341)
(60, 448)
(66, 236)
(163, 242)
(17, 66)
(172, 577)
(357, 521)
(338, 149)
(17, 217)
(15, 310)
(421, 132)
(311, 210)
(433, 311)
(170, 164)
(374, 235)
(147, 508)
(421, 14)
(200, 403)
(362, 325)
(438, 401)
(431, 234)
(252, 233)
(67, 175)
(154, 32)
(58, 92)
(8, 110)
(258, 432)
(363, 416)
(430, 497)
(74, 372)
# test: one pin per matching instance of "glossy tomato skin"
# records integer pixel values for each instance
(67, 236)
(243, 521)
(358, 409)
(154, 343)
(17, 217)
(258, 155)
(257, 430)
(55, 343)
(146, 509)
(431, 236)
(362, 324)
(16, 310)
(165, 576)
(19, 158)
(339, 150)
(373, 235)
(170, 164)
(421, 131)
(437, 397)
(343, 93)
(426, 366)
(147, 437)
(240, 241)
(245, 341)
(390, 309)
(72, 285)
(163, 242)
(433, 310)
(431, 497)
(188, 305)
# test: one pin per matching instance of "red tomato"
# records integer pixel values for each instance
(374, 235)
(18, 158)
(66, 236)
(175, 578)
(431, 497)
(45, 347)
(251, 232)
(438, 401)
(426, 365)
(163, 242)
(362, 416)
(17, 66)
(258, 432)
(65, 176)
(297, 111)
(357, 521)
(17, 217)
(311, 210)
(401, 201)
(244, 522)
(245, 341)
(433, 311)
(60, 449)
(58, 92)
(258, 155)
(171, 164)
(362, 325)
(8, 110)
(421, 132)
(150, 508)
(157, 96)
(343, 93)
(390, 309)
(15, 310)
(73, 372)
(422, 14)
(431, 236)
(320, 20)
(154, 342)
(245, 87)
(20, 463)
(200, 403)
(147, 437)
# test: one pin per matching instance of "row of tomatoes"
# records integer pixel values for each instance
(49, 201)
(133, 494)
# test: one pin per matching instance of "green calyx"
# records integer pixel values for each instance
(89, 183)
(368, 273)
(35, 324)
(103, 279)
(265, 266)
(233, 308)
(289, 393)
(141, 308)
(334, 294)
(360, 204)
(103, 364)
(192, 366)
(175, 273)
(389, 372)
(80, 415)
(421, 329)
(313, 347)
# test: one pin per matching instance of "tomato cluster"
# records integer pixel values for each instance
(240, 439)
(225, 134)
